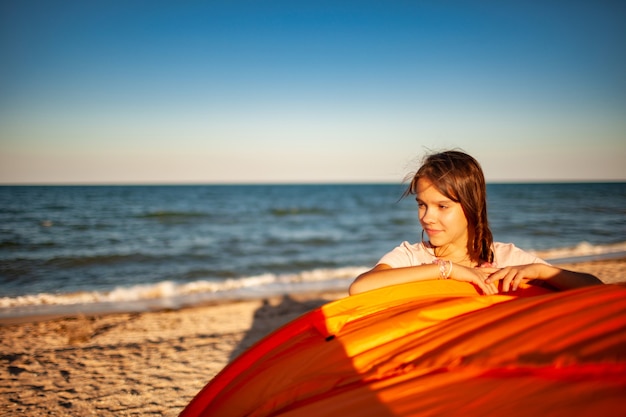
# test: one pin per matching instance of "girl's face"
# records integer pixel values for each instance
(441, 218)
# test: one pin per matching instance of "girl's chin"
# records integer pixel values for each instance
(436, 240)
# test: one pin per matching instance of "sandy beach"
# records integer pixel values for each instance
(149, 363)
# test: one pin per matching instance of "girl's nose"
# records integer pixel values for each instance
(426, 216)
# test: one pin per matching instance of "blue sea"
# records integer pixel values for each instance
(118, 248)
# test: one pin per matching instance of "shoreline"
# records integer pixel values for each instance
(46, 309)
(151, 362)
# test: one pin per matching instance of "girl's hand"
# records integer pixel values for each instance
(477, 276)
(512, 276)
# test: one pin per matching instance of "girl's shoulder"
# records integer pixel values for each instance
(408, 254)
(504, 247)
(507, 254)
(416, 249)
(417, 246)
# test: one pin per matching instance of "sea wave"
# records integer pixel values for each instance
(264, 283)
(162, 214)
(299, 211)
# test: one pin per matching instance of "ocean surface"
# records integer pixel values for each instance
(110, 248)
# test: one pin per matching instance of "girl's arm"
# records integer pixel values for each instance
(560, 278)
(383, 275)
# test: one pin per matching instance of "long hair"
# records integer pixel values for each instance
(460, 178)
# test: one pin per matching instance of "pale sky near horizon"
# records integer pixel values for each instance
(277, 91)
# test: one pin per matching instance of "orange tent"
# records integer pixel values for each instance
(435, 348)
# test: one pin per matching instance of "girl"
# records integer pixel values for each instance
(451, 196)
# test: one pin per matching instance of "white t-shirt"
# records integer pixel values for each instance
(407, 254)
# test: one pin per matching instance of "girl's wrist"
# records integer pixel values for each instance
(445, 268)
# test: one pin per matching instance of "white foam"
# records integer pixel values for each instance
(170, 289)
(583, 249)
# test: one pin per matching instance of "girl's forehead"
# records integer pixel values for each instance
(426, 189)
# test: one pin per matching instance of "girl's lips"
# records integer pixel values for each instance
(431, 232)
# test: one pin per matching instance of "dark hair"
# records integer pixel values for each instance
(460, 178)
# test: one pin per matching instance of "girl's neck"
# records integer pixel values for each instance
(457, 256)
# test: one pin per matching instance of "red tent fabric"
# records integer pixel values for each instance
(435, 348)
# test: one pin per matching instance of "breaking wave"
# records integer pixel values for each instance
(230, 288)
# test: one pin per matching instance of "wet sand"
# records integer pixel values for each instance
(150, 363)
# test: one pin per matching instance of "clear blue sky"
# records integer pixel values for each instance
(293, 91)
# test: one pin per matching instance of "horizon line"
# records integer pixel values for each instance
(304, 182)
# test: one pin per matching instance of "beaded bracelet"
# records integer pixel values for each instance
(442, 268)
